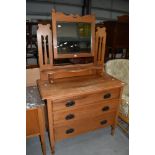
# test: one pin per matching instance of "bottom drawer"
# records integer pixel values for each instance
(82, 126)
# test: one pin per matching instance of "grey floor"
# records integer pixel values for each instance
(99, 142)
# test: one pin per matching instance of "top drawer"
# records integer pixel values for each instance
(72, 103)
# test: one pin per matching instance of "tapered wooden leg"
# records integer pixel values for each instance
(43, 145)
(51, 126)
(42, 129)
(113, 130)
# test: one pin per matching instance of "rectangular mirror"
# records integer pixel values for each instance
(73, 37)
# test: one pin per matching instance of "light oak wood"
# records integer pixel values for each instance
(81, 100)
(72, 18)
(78, 92)
(70, 73)
(82, 126)
(100, 42)
(76, 66)
(51, 125)
(76, 86)
(88, 93)
(41, 117)
(83, 113)
(44, 38)
(44, 73)
(44, 30)
(32, 128)
(61, 17)
(35, 125)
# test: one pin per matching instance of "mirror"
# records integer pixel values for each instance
(73, 37)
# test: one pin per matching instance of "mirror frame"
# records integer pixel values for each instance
(61, 17)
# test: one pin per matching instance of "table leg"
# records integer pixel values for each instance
(51, 126)
(113, 127)
(43, 145)
(42, 129)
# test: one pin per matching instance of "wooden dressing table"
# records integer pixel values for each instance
(80, 97)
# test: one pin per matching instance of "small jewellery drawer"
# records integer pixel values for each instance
(79, 127)
(74, 102)
(91, 110)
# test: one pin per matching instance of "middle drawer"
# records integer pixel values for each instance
(86, 111)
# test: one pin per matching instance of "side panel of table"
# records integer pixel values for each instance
(35, 125)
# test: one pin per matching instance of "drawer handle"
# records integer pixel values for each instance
(108, 95)
(70, 116)
(69, 131)
(106, 108)
(70, 103)
(103, 122)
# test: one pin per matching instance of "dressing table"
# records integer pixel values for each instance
(80, 96)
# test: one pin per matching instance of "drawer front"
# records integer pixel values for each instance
(74, 102)
(87, 111)
(79, 127)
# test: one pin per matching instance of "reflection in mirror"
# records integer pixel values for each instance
(73, 38)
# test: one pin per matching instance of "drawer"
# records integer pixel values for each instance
(74, 102)
(79, 127)
(87, 111)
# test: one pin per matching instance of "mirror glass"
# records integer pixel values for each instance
(73, 37)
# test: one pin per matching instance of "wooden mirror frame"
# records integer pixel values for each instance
(61, 17)
(45, 39)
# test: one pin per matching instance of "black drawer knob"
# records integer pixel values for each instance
(70, 116)
(103, 122)
(106, 108)
(108, 95)
(70, 103)
(71, 130)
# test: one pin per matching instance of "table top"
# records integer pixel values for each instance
(33, 98)
(74, 86)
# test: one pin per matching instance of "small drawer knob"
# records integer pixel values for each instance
(106, 108)
(70, 103)
(106, 96)
(71, 130)
(70, 116)
(103, 122)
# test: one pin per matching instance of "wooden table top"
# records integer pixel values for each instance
(74, 86)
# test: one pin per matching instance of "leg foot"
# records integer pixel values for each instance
(53, 152)
(112, 130)
(43, 145)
